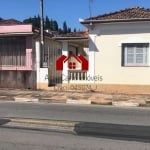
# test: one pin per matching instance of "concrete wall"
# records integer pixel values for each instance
(18, 79)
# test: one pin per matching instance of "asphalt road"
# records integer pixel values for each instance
(115, 128)
(20, 139)
(84, 113)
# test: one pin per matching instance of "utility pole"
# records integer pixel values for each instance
(41, 33)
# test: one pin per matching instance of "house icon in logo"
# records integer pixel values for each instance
(72, 64)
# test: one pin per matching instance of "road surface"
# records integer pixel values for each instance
(108, 120)
(85, 113)
(20, 139)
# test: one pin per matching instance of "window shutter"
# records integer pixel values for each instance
(139, 59)
(129, 55)
(145, 56)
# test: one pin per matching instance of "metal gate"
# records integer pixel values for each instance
(54, 52)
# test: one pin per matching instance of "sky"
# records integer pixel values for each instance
(65, 10)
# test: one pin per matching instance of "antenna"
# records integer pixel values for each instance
(41, 20)
(90, 7)
(41, 34)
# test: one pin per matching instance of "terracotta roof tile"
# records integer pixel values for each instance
(82, 34)
(10, 22)
(129, 13)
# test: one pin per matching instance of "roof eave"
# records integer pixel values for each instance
(69, 38)
(114, 20)
(14, 33)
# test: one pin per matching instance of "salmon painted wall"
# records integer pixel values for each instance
(16, 29)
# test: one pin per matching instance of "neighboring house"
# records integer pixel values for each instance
(24, 65)
(16, 66)
(74, 46)
(119, 43)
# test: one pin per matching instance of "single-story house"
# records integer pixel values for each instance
(16, 55)
(23, 64)
(63, 45)
(112, 56)
(119, 51)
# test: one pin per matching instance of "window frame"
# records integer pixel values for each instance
(13, 51)
(125, 54)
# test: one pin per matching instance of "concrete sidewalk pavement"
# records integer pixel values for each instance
(74, 97)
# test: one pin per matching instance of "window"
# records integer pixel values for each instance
(135, 54)
(50, 53)
(12, 51)
(72, 65)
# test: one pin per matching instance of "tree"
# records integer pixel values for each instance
(34, 20)
(51, 24)
(47, 23)
(75, 30)
(55, 25)
(37, 21)
(65, 28)
(69, 30)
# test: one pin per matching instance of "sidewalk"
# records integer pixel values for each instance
(74, 97)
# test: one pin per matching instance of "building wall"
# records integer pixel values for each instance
(108, 40)
(17, 79)
(47, 74)
(16, 75)
(16, 52)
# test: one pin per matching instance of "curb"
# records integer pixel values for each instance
(39, 124)
(134, 132)
(125, 103)
(43, 122)
(76, 101)
(21, 99)
(44, 99)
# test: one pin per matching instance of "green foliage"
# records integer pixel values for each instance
(65, 28)
(35, 21)
(75, 30)
(49, 24)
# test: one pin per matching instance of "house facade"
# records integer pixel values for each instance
(49, 77)
(113, 56)
(23, 64)
(16, 59)
(119, 43)
(75, 49)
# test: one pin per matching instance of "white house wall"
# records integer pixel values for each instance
(65, 65)
(42, 73)
(108, 42)
(45, 74)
